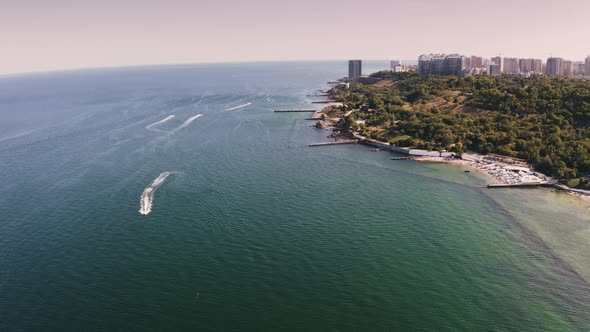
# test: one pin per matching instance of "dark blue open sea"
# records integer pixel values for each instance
(172, 198)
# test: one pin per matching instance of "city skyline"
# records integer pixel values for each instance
(462, 65)
(42, 36)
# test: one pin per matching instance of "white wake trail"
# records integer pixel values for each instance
(238, 107)
(147, 196)
(150, 126)
(186, 123)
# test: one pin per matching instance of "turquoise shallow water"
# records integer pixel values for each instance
(253, 230)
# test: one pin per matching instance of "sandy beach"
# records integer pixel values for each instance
(472, 166)
(500, 173)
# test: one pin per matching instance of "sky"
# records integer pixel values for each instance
(42, 35)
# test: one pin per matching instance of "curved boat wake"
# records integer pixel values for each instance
(186, 123)
(150, 126)
(147, 197)
(238, 107)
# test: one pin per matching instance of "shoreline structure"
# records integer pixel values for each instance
(506, 174)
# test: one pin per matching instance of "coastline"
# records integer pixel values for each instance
(500, 172)
(477, 167)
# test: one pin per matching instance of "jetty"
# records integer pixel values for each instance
(350, 141)
(558, 186)
(401, 158)
(294, 111)
(401, 150)
(518, 185)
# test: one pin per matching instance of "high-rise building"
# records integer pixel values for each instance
(537, 66)
(530, 65)
(554, 66)
(431, 64)
(568, 68)
(476, 62)
(454, 64)
(497, 60)
(439, 64)
(468, 63)
(579, 68)
(587, 66)
(511, 66)
(355, 68)
(494, 69)
(526, 65)
(394, 63)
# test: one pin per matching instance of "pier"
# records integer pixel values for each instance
(518, 185)
(294, 111)
(401, 158)
(351, 141)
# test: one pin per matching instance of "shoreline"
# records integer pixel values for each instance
(480, 169)
(501, 173)
(505, 171)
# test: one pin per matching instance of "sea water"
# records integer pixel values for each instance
(173, 198)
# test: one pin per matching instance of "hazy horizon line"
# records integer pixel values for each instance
(131, 66)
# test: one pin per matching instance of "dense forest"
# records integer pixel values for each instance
(545, 120)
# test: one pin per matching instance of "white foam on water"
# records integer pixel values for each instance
(187, 122)
(238, 107)
(147, 196)
(24, 133)
(150, 126)
(160, 179)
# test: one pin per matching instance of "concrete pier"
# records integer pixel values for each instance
(351, 141)
(516, 185)
(294, 111)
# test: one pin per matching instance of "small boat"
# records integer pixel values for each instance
(375, 150)
(467, 171)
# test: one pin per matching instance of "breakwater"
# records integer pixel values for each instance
(294, 111)
(407, 151)
(519, 185)
(569, 190)
(351, 141)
